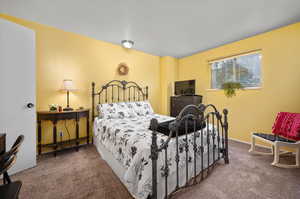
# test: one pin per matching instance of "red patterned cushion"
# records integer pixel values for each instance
(287, 125)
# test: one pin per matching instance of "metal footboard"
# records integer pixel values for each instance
(216, 126)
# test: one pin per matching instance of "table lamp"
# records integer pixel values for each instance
(67, 87)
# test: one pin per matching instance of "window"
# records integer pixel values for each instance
(244, 69)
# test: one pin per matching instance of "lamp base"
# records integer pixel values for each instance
(68, 109)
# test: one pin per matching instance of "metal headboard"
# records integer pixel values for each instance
(118, 91)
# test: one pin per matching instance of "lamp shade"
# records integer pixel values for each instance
(68, 85)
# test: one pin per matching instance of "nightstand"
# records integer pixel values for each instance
(54, 117)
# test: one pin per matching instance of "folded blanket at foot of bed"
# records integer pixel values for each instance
(192, 126)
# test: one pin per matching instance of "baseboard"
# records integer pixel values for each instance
(259, 145)
(248, 143)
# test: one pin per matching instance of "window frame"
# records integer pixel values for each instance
(210, 62)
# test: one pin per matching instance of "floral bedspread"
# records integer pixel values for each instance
(129, 140)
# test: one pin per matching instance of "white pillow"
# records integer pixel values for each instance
(115, 111)
(143, 108)
(130, 108)
(107, 111)
(122, 110)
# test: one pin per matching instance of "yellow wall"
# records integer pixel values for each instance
(169, 74)
(63, 55)
(254, 110)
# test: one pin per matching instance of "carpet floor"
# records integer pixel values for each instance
(84, 174)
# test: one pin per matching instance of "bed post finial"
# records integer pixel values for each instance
(146, 92)
(225, 111)
(93, 101)
(154, 156)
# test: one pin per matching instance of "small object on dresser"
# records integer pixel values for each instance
(81, 108)
(59, 109)
(52, 107)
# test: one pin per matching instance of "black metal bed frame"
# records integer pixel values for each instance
(207, 114)
(125, 91)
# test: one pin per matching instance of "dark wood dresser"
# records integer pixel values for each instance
(179, 102)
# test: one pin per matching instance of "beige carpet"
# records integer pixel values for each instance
(84, 174)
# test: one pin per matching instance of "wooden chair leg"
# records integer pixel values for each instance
(276, 154)
(298, 157)
(252, 148)
(276, 157)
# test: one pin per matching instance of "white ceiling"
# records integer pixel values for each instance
(160, 27)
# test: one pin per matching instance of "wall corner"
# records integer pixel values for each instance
(168, 74)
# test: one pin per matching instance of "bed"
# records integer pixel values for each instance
(152, 164)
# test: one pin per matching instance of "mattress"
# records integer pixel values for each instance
(125, 145)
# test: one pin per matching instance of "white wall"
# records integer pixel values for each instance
(17, 88)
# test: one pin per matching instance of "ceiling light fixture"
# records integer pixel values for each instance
(127, 43)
